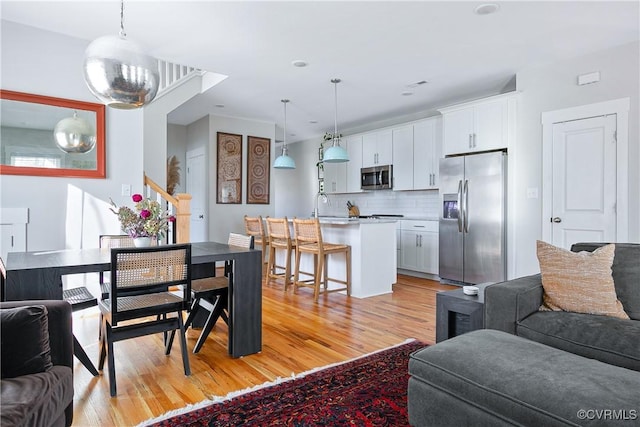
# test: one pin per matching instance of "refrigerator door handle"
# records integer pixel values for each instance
(460, 207)
(466, 205)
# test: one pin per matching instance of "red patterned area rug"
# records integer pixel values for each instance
(368, 391)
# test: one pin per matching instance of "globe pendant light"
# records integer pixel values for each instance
(335, 153)
(118, 72)
(284, 161)
(74, 135)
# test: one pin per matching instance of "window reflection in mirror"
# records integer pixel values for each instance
(27, 144)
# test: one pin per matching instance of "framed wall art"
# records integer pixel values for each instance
(229, 167)
(258, 170)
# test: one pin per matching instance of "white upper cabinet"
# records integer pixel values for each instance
(478, 126)
(377, 148)
(335, 177)
(427, 150)
(403, 158)
(354, 150)
(417, 149)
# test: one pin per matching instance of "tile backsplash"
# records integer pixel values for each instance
(413, 204)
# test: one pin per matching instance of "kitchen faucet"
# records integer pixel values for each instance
(324, 200)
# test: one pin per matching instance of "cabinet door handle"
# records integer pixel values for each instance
(474, 140)
(470, 140)
(416, 240)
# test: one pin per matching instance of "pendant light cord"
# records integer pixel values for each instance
(335, 128)
(122, 33)
(284, 139)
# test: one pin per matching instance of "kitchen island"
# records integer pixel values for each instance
(373, 253)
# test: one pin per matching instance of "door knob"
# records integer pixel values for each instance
(557, 219)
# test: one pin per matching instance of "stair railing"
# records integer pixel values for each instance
(178, 206)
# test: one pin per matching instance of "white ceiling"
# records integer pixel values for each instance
(378, 49)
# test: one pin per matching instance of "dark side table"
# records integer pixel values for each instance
(457, 312)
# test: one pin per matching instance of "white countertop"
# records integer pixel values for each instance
(336, 220)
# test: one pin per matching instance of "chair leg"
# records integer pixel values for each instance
(103, 345)
(296, 273)
(79, 352)
(111, 362)
(287, 269)
(271, 269)
(349, 271)
(214, 313)
(318, 279)
(183, 346)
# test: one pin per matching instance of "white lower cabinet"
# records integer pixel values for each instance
(419, 246)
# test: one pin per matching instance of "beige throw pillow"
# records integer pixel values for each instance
(579, 282)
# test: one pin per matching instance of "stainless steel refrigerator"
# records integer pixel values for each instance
(473, 218)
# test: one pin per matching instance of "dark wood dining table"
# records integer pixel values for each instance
(38, 275)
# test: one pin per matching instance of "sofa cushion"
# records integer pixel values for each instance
(22, 356)
(488, 377)
(38, 399)
(610, 340)
(578, 282)
(625, 271)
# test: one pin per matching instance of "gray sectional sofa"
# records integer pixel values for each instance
(512, 307)
(534, 367)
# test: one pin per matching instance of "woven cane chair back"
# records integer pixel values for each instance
(278, 230)
(307, 232)
(149, 271)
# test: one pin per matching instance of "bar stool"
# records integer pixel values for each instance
(279, 238)
(254, 226)
(308, 239)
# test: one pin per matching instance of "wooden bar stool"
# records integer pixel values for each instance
(279, 238)
(308, 238)
(254, 226)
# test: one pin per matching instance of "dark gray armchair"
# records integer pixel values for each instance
(37, 364)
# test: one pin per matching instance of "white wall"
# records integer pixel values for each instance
(66, 212)
(226, 218)
(553, 87)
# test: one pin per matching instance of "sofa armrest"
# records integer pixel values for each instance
(507, 303)
(60, 328)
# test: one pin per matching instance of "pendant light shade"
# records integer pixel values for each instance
(284, 161)
(335, 153)
(119, 73)
(74, 135)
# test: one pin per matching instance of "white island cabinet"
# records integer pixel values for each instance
(373, 254)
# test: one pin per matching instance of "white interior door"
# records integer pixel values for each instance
(584, 181)
(196, 186)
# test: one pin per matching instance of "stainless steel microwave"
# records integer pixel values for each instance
(376, 178)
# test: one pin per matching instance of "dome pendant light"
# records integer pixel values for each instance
(118, 72)
(74, 135)
(284, 161)
(335, 153)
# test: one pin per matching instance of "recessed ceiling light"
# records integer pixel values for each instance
(220, 105)
(313, 121)
(486, 9)
(299, 63)
(416, 84)
(407, 93)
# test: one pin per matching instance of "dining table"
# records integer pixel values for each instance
(38, 275)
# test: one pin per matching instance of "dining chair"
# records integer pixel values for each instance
(139, 296)
(211, 295)
(279, 239)
(254, 226)
(109, 241)
(308, 237)
(3, 278)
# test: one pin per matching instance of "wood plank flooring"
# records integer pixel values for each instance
(298, 335)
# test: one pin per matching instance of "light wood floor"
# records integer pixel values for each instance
(298, 335)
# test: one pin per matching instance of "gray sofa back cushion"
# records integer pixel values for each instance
(625, 271)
